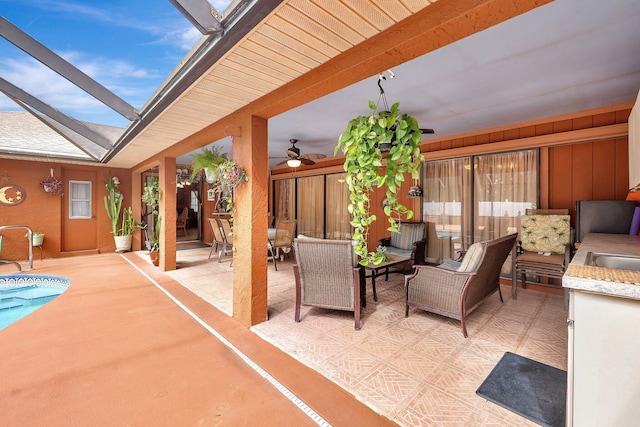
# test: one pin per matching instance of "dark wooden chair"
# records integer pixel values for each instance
(456, 293)
(181, 222)
(545, 246)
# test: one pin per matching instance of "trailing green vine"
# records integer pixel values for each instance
(360, 143)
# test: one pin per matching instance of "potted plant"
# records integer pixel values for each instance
(227, 175)
(113, 204)
(52, 185)
(206, 161)
(361, 142)
(37, 238)
(154, 250)
(151, 195)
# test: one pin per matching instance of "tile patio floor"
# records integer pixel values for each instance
(417, 371)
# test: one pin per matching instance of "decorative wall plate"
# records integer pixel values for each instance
(11, 195)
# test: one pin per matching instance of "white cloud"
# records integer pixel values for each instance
(131, 83)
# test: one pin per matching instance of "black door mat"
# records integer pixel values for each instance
(531, 389)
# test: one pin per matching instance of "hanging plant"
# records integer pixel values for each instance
(52, 185)
(226, 176)
(207, 160)
(361, 143)
(151, 194)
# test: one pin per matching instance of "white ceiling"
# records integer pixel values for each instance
(566, 56)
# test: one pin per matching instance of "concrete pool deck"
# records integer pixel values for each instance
(115, 350)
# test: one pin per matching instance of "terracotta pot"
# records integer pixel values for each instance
(155, 257)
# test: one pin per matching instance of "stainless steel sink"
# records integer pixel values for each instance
(615, 261)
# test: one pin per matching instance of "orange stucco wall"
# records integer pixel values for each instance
(46, 213)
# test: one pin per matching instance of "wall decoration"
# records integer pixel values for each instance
(11, 195)
(211, 194)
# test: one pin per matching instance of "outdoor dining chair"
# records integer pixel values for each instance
(283, 239)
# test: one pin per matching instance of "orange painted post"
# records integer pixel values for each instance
(167, 174)
(250, 151)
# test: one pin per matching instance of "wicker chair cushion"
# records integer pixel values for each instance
(450, 265)
(395, 252)
(472, 257)
(545, 233)
(407, 235)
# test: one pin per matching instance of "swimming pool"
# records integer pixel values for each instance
(21, 295)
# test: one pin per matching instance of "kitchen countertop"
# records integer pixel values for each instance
(604, 280)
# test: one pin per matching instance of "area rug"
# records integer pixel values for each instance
(531, 389)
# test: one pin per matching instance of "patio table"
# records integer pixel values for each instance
(383, 268)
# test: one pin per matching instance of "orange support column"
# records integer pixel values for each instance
(167, 182)
(250, 151)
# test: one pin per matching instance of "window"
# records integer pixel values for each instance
(80, 199)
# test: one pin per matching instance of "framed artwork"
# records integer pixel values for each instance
(211, 195)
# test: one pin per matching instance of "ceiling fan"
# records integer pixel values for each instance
(294, 159)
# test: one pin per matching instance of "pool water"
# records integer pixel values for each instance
(22, 295)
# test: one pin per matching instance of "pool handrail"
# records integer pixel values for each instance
(30, 238)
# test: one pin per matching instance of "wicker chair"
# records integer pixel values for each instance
(410, 242)
(328, 276)
(456, 293)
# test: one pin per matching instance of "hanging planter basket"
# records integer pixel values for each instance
(52, 185)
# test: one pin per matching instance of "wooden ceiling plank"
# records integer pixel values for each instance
(303, 36)
(393, 10)
(260, 58)
(241, 61)
(416, 5)
(283, 38)
(302, 20)
(274, 57)
(352, 18)
(293, 52)
(327, 20)
(251, 82)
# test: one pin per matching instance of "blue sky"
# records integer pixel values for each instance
(128, 46)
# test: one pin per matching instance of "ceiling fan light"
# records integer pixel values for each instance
(294, 163)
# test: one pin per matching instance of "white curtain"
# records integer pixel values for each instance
(504, 186)
(338, 217)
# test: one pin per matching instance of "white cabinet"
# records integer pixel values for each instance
(604, 375)
(634, 146)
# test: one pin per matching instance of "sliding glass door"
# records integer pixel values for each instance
(462, 207)
(320, 203)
